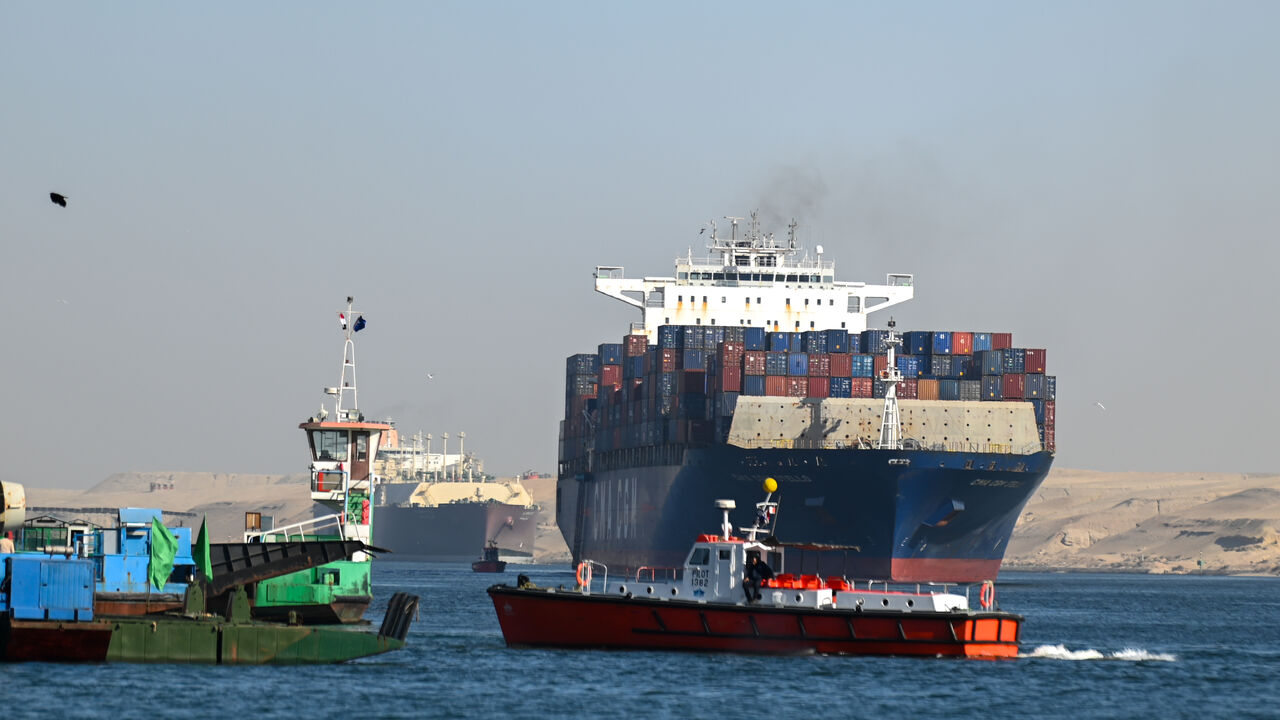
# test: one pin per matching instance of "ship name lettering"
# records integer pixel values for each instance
(985, 482)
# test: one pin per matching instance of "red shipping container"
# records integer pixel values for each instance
(1034, 360)
(862, 388)
(841, 365)
(927, 389)
(1000, 341)
(1013, 386)
(670, 356)
(729, 379)
(1050, 411)
(1050, 425)
(610, 374)
(879, 364)
(820, 366)
(753, 362)
(961, 343)
(730, 352)
(908, 389)
(819, 387)
(635, 345)
(775, 385)
(797, 386)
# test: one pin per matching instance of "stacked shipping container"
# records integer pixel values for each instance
(685, 389)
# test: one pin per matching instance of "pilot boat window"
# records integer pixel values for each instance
(362, 447)
(724, 554)
(700, 556)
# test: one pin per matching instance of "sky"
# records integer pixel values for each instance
(1100, 179)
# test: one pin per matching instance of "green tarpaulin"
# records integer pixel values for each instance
(164, 547)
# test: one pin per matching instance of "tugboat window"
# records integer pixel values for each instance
(700, 556)
(330, 445)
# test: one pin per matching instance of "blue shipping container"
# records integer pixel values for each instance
(693, 360)
(981, 341)
(793, 342)
(775, 363)
(909, 366)
(691, 337)
(970, 389)
(753, 338)
(855, 343)
(1035, 387)
(779, 342)
(1015, 360)
(992, 387)
(988, 362)
(753, 385)
(797, 364)
(610, 353)
(863, 365)
(941, 343)
(837, 341)
(940, 366)
(948, 389)
(841, 387)
(1050, 387)
(669, 337)
(582, 364)
(918, 342)
(814, 341)
(873, 341)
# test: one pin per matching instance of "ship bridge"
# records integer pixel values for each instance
(752, 280)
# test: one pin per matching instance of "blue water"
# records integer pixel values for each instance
(1109, 646)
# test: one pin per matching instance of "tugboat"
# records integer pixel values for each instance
(705, 607)
(343, 448)
(489, 562)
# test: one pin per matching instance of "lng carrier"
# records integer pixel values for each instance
(443, 507)
(755, 362)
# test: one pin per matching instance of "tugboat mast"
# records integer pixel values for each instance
(890, 426)
(347, 379)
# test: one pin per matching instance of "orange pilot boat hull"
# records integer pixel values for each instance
(534, 617)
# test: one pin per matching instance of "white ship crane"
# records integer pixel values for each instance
(752, 280)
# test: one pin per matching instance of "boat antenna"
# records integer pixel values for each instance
(351, 323)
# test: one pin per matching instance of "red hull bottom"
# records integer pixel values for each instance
(911, 570)
(489, 566)
(542, 618)
(52, 641)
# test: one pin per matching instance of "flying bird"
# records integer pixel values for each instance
(430, 376)
(58, 199)
(1104, 407)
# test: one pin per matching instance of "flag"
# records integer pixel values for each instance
(164, 547)
(359, 324)
(201, 552)
(342, 320)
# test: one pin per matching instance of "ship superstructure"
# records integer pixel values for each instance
(749, 279)
(756, 362)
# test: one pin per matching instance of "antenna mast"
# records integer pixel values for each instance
(890, 427)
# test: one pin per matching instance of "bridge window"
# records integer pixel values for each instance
(855, 304)
(700, 556)
(329, 444)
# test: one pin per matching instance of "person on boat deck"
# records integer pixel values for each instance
(753, 574)
(6, 543)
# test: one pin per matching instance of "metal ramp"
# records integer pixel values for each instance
(236, 564)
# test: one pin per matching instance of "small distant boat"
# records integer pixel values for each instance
(489, 562)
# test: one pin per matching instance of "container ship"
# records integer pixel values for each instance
(904, 458)
(442, 507)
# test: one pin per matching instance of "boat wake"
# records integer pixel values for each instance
(1060, 652)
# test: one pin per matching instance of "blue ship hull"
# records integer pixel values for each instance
(904, 515)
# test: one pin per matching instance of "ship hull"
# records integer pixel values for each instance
(541, 618)
(452, 532)
(900, 515)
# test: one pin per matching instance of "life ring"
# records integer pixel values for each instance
(987, 596)
(584, 574)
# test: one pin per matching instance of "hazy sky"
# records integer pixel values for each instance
(1101, 179)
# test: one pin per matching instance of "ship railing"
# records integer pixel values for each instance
(592, 575)
(297, 531)
(657, 574)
